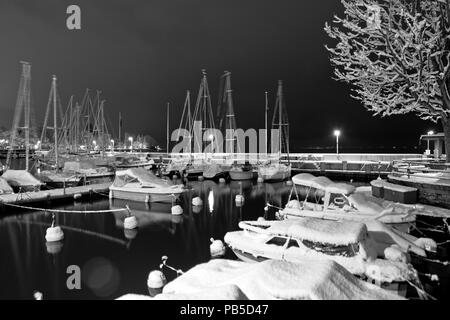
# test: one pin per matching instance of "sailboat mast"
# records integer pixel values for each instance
(266, 109)
(27, 123)
(55, 128)
(120, 127)
(280, 113)
(168, 124)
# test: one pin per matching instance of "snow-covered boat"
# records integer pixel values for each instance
(347, 243)
(274, 172)
(215, 171)
(195, 169)
(127, 161)
(5, 188)
(341, 201)
(89, 171)
(138, 184)
(55, 180)
(22, 180)
(241, 172)
(309, 279)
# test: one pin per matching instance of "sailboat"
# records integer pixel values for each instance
(178, 165)
(276, 170)
(21, 180)
(203, 113)
(54, 178)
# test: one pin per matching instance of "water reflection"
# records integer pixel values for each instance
(98, 243)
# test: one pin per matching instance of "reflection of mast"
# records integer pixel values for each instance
(23, 102)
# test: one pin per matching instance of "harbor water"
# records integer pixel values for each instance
(114, 261)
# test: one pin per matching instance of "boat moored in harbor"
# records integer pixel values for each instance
(347, 243)
(138, 184)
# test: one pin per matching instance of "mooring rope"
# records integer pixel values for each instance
(63, 211)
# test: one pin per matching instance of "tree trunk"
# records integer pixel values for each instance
(445, 120)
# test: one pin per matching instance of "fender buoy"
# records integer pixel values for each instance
(217, 248)
(130, 222)
(260, 180)
(222, 180)
(201, 178)
(156, 279)
(197, 201)
(177, 210)
(239, 198)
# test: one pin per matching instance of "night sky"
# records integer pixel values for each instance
(143, 53)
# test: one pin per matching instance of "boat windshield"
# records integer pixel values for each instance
(278, 241)
(349, 250)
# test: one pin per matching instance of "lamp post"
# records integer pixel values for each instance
(131, 143)
(112, 145)
(337, 133)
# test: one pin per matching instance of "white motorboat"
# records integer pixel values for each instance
(347, 243)
(138, 184)
(274, 171)
(341, 201)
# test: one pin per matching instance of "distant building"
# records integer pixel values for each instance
(435, 141)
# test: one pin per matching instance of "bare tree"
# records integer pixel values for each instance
(396, 56)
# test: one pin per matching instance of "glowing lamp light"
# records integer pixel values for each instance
(337, 133)
(430, 133)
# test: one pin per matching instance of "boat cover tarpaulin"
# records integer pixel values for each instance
(18, 178)
(317, 230)
(275, 279)
(322, 183)
(5, 187)
(141, 175)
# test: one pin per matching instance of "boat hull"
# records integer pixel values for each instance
(143, 196)
(241, 175)
(277, 176)
(346, 216)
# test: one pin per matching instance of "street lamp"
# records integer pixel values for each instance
(112, 145)
(131, 143)
(430, 133)
(337, 133)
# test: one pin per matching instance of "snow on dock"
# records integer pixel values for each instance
(55, 194)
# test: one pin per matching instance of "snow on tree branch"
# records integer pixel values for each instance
(395, 54)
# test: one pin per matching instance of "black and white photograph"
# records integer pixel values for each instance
(224, 155)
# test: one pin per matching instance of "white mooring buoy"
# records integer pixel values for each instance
(53, 234)
(130, 222)
(156, 279)
(289, 182)
(239, 198)
(37, 295)
(177, 210)
(197, 201)
(201, 178)
(222, 180)
(261, 219)
(217, 248)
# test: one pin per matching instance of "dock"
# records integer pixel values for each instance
(55, 194)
